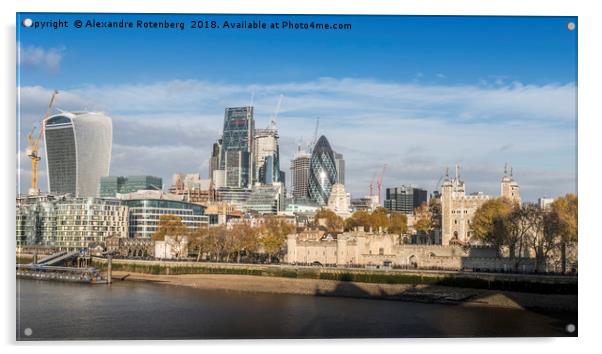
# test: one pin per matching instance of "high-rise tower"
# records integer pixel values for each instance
(322, 172)
(78, 152)
(237, 147)
(300, 174)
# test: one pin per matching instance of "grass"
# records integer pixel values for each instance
(541, 287)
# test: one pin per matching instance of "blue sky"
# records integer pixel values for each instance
(418, 93)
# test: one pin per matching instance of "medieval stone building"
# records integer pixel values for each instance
(458, 208)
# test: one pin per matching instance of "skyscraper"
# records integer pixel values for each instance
(237, 147)
(404, 199)
(267, 156)
(300, 175)
(340, 164)
(214, 160)
(78, 152)
(322, 172)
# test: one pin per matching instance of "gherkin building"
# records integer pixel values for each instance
(322, 172)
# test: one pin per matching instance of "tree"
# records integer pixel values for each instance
(199, 241)
(565, 212)
(490, 222)
(334, 223)
(359, 218)
(542, 237)
(379, 219)
(273, 235)
(215, 241)
(424, 219)
(398, 224)
(243, 239)
(520, 226)
(172, 226)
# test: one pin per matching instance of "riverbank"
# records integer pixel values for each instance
(402, 292)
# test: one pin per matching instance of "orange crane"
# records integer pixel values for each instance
(33, 146)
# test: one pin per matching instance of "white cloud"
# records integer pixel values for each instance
(418, 129)
(48, 59)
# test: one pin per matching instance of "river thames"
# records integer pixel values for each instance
(48, 310)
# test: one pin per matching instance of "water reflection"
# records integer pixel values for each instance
(135, 310)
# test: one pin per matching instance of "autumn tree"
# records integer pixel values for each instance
(565, 212)
(398, 224)
(242, 239)
(333, 222)
(172, 226)
(215, 241)
(379, 218)
(424, 219)
(273, 235)
(199, 241)
(490, 222)
(359, 218)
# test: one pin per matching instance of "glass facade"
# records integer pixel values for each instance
(237, 146)
(404, 199)
(322, 172)
(111, 185)
(144, 215)
(60, 155)
(70, 223)
(78, 152)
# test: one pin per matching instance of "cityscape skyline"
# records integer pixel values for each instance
(430, 113)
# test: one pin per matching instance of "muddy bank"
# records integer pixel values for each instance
(403, 292)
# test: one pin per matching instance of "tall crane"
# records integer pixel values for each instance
(379, 183)
(275, 116)
(371, 187)
(311, 145)
(33, 146)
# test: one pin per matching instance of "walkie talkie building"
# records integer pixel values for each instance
(78, 152)
(322, 172)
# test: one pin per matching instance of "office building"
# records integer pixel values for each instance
(322, 172)
(300, 175)
(266, 199)
(111, 185)
(78, 152)
(192, 187)
(146, 207)
(267, 156)
(66, 223)
(404, 199)
(236, 155)
(214, 160)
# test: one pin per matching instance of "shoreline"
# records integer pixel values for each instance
(395, 292)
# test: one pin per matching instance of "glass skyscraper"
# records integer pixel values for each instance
(78, 152)
(237, 147)
(322, 172)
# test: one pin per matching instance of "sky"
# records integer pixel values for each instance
(418, 93)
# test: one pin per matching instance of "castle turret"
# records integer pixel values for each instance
(509, 187)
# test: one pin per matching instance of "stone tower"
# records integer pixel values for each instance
(509, 187)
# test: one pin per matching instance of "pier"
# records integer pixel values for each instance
(63, 266)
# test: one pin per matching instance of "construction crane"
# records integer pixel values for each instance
(275, 116)
(379, 183)
(311, 145)
(371, 187)
(33, 146)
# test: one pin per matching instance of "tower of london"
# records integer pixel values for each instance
(458, 208)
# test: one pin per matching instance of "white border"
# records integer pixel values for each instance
(590, 61)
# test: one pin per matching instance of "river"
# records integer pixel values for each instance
(48, 310)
